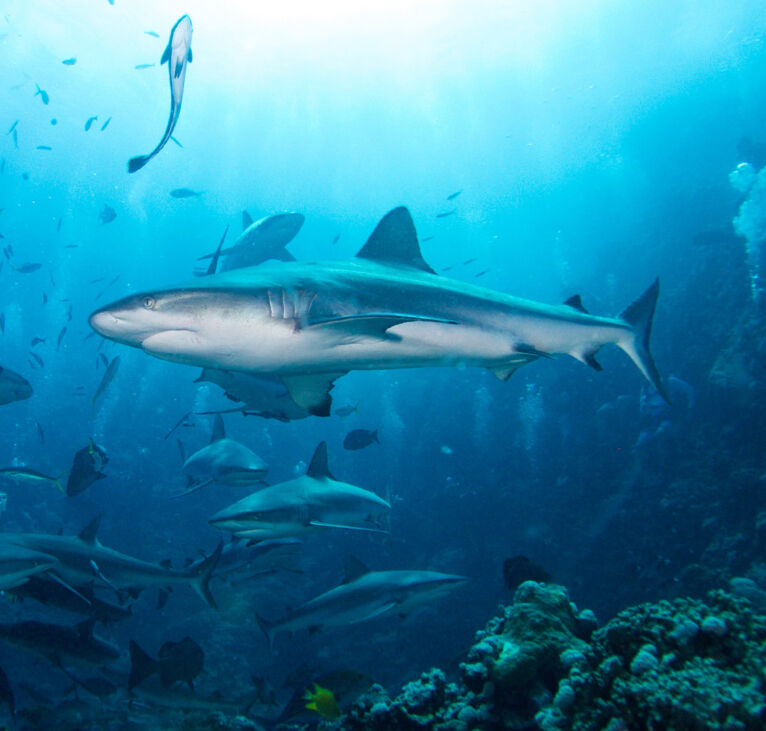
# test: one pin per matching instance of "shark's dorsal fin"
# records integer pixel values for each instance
(394, 241)
(318, 469)
(88, 533)
(85, 629)
(353, 569)
(247, 220)
(219, 430)
(576, 303)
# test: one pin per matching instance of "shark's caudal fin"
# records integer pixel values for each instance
(136, 163)
(201, 574)
(141, 665)
(267, 628)
(639, 316)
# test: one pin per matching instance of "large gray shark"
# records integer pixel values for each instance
(177, 55)
(18, 565)
(312, 322)
(82, 559)
(260, 241)
(223, 461)
(308, 504)
(365, 595)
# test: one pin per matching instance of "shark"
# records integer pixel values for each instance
(311, 503)
(177, 55)
(260, 241)
(18, 565)
(223, 461)
(312, 322)
(362, 596)
(82, 559)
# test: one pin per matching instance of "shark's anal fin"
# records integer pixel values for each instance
(312, 391)
(319, 469)
(88, 533)
(575, 302)
(394, 241)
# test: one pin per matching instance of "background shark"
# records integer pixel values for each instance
(312, 322)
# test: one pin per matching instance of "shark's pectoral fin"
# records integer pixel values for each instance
(372, 324)
(320, 524)
(378, 612)
(283, 255)
(312, 392)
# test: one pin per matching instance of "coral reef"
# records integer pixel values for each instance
(685, 664)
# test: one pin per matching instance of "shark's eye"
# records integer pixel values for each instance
(149, 303)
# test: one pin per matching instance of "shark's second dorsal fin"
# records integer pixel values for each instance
(354, 568)
(247, 220)
(219, 430)
(394, 241)
(318, 469)
(88, 533)
(576, 303)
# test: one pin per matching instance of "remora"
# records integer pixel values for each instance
(83, 560)
(311, 322)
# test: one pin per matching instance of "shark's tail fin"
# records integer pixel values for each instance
(136, 163)
(141, 665)
(201, 574)
(267, 628)
(639, 316)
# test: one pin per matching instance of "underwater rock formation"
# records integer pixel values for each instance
(685, 664)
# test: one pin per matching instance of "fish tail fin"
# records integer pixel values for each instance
(201, 574)
(136, 163)
(57, 483)
(639, 316)
(267, 628)
(141, 665)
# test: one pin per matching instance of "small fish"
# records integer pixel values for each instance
(28, 267)
(36, 341)
(140, 66)
(89, 122)
(445, 449)
(72, 246)
(111, 372)
(69, 314)
(469, 261)
(184, 193)
(114, 280)
(426, 238)
(104, 360)
(39, 360)
(107, 215)
(8, 251)
(452, 196)
(40, 433)
(12, 127)
(42, 94)
(152, 33)
(30, 477)
(347, 410)
(105, 124)
(2, 166)
(482, 273)
(60, 337)
(70, 61)
(58, 227)
(44, 147)
(54, 121)
(176, 141)
(322, 701)
(97, 280)
(336, 238)
(2, 322)
(444, 214)
(446, 269)
(360, 438)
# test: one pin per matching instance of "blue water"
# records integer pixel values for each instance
(592, 143)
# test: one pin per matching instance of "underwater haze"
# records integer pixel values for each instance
(528, 171)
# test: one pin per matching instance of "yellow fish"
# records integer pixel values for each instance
(322, 701)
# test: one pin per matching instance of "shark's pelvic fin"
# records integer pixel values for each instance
(394, 241)
(312, 392)
(319, 469)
